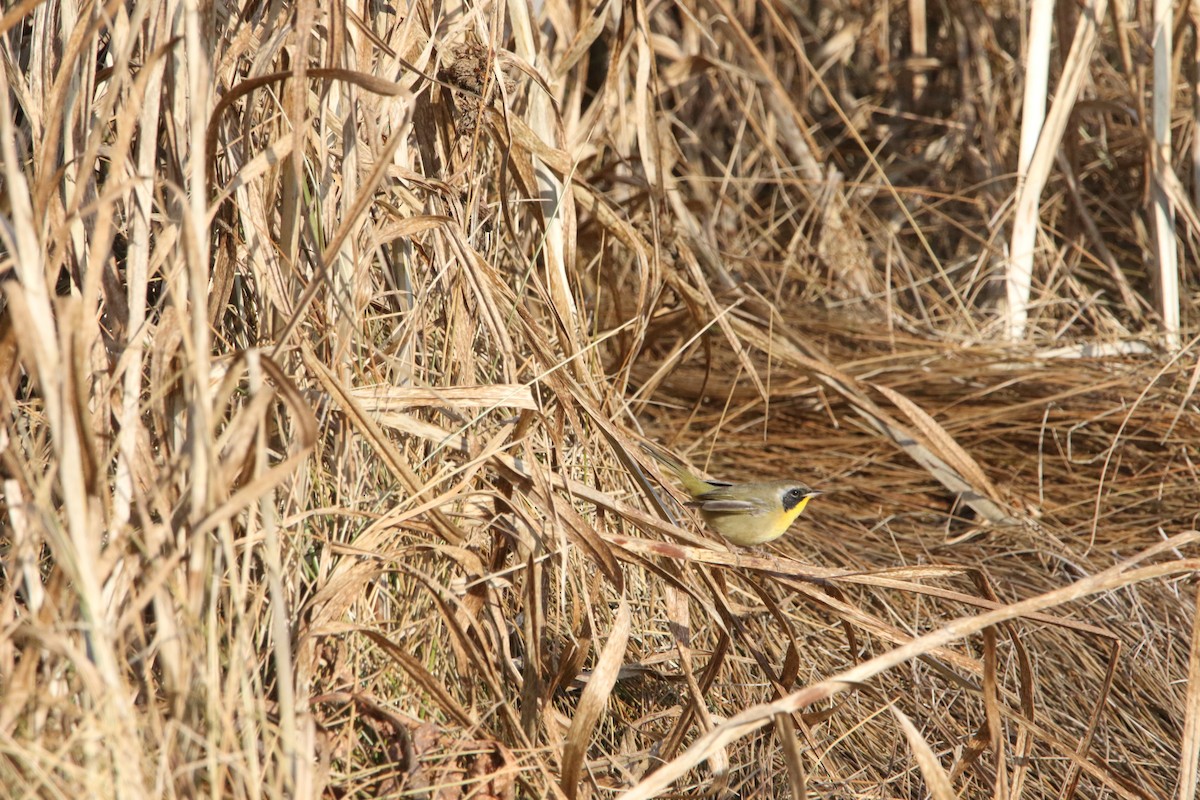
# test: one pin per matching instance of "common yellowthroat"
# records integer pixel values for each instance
(744, 513)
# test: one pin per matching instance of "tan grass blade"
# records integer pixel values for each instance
(379, 399)
(936, 779)
(1162, 212)
(1031, 174)
(594, 699)
(1189, 750)
(992, 710)
(1025, 218)
(959, 463)
(785, 729)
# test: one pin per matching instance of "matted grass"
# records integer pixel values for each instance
(329, 336)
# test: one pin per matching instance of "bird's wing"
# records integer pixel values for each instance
(729, 506)
(722, 499)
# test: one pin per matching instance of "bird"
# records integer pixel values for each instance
(746, 514)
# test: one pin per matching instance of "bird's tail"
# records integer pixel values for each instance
(694, 484)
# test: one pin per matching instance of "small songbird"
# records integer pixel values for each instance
(744, 513)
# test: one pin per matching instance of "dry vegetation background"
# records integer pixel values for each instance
(329, 335)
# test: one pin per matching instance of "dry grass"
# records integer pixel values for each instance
(329, 335)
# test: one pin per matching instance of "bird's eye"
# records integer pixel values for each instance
(793, 497)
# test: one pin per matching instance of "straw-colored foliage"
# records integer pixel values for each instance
(329, 334)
